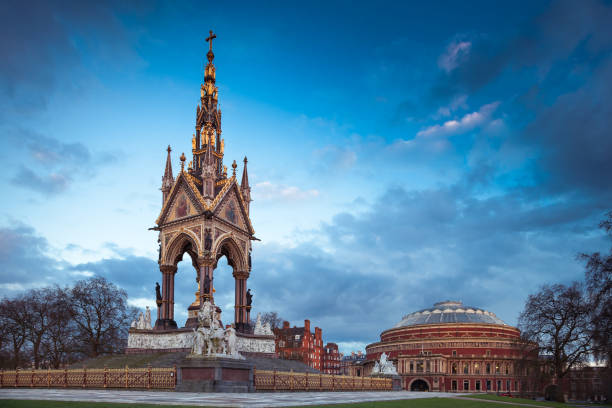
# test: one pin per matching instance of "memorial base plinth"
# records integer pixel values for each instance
(396, 380)
(214, 374)
(165, 324)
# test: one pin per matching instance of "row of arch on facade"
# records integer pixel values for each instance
(468, 385)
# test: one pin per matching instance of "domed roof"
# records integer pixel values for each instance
(449, 312)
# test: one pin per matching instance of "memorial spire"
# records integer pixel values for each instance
(208, 119)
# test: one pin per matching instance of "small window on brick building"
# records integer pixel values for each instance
(454, 353)
(466, 385)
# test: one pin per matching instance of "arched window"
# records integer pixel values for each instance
(477, 370)
(454, 368)
(488, 368)
(466, 368)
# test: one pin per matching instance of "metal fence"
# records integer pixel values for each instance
(142, 378)
(290, 381)
(165, 378)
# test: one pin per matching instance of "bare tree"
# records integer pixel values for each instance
(60, 342)
(38, 304)
(598, 277)
(13, 315)
(557, 318)
(273, 319)
(102, 315)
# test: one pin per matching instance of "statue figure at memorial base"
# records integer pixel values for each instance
(210, 339)
(384, 366)
(147, 319)
(143, 321)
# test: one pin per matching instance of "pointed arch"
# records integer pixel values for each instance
(185, 241)
(226, 245)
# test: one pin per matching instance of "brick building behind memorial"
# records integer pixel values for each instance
(330, 359)
(299, 343)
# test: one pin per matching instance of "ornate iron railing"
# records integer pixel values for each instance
(165, 378)
(142, 378)
(290, 381)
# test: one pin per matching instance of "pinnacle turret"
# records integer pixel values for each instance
(167, 179)
(244, 186)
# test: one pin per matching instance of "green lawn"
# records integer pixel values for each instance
(414, 403)
(423, 403)
(491, 397)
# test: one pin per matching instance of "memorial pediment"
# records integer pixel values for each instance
(184, 201)
(231, 208)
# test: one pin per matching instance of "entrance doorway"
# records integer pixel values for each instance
(419, 385)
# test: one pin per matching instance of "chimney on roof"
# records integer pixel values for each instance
(307, 325)
(286, 325)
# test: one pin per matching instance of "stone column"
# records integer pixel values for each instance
(240, 312)
(166, 320)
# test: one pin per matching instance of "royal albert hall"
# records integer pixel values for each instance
(451, 348)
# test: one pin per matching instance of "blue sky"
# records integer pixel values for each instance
(400, 154)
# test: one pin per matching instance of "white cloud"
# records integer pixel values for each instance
(455, 52)
(466, 123)
(458, 102)
(270, 191)
(142, 303)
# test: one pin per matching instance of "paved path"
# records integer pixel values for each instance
(257, 399)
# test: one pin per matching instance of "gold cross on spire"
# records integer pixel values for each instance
(210, 38)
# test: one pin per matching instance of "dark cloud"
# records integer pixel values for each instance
(553, 80)
(53, 165)
(25, 259)
(42, 45)
(136, 274)
(46, 47)
(46, 184)
(411, 249)
(559, 33)
(574, 135)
